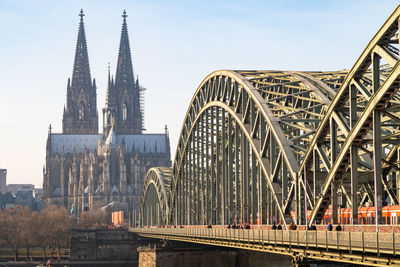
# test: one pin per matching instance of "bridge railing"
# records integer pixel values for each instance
(387, 243)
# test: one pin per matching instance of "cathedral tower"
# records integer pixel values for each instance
(124, 93)
(80, 114)
(86, 170)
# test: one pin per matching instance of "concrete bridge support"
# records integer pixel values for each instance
(210, 256)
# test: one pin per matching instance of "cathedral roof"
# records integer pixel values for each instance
(71, 141)
(142, 143)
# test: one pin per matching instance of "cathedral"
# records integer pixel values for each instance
(85, 170)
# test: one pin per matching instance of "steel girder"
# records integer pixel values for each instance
(154, 198)
(361, 126)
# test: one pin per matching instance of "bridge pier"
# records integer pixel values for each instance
(177, 254)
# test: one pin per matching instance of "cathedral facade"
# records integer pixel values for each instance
(84, 169)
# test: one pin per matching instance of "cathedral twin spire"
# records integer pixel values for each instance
(122, 98)
(124, 76)
(80, 114)
(123, 95)
(81, 71)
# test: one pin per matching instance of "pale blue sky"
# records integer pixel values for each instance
(175, 45)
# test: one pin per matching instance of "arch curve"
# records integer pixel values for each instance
(239, 97)
(154, 198)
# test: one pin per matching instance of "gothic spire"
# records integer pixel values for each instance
(81, 71)
(126, 94)
(80, 115)
(124, 75)
(109, 91)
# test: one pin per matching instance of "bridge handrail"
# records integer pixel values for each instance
(373, 242)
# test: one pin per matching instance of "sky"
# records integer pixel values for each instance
(175, 45)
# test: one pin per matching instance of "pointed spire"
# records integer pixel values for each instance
(81, 72)
(81, 91)
(137, 82)
(124, 74)
(109, 93)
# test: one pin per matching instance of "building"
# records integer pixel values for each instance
(14, 188)
(3, 181)
(6, 201)
(23, 195)
(84, 169)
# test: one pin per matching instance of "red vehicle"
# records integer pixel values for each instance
(366, 215)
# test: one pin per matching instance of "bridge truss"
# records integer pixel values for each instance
(256, 145)
(154, 199)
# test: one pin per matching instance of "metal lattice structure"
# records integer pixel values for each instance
(256, 145)
(154, 199)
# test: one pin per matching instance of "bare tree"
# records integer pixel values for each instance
(12, 228)
(42, 232)
(28, 229)
(57, 223)
(20, 227)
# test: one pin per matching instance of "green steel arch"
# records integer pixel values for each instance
(154, 199)
(241, 145)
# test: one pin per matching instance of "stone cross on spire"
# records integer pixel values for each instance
(124, 15)
(81, 14)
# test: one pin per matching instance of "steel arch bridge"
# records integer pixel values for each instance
(257, 145)
(154, 199)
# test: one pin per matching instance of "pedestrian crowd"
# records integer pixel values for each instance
(278, 226)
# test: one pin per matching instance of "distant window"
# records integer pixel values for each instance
(124, 112)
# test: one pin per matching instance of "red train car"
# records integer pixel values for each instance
(366, 215)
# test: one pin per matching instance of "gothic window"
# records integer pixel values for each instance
(81, 111)
(124, 112)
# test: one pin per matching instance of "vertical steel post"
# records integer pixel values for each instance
(394, 243)
(218, 177)
(316, 174)
(377, 144)
(202, 154)
(254, 188)
(230, 171)
(353, 156)
(213, 157)
(305, 199)
(246, 181)
(350, 242)
(333, 144)
(223, 165)
(363, 245)
(207, 157)
(238, 175)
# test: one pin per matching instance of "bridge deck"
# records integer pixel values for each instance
(364, 248)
